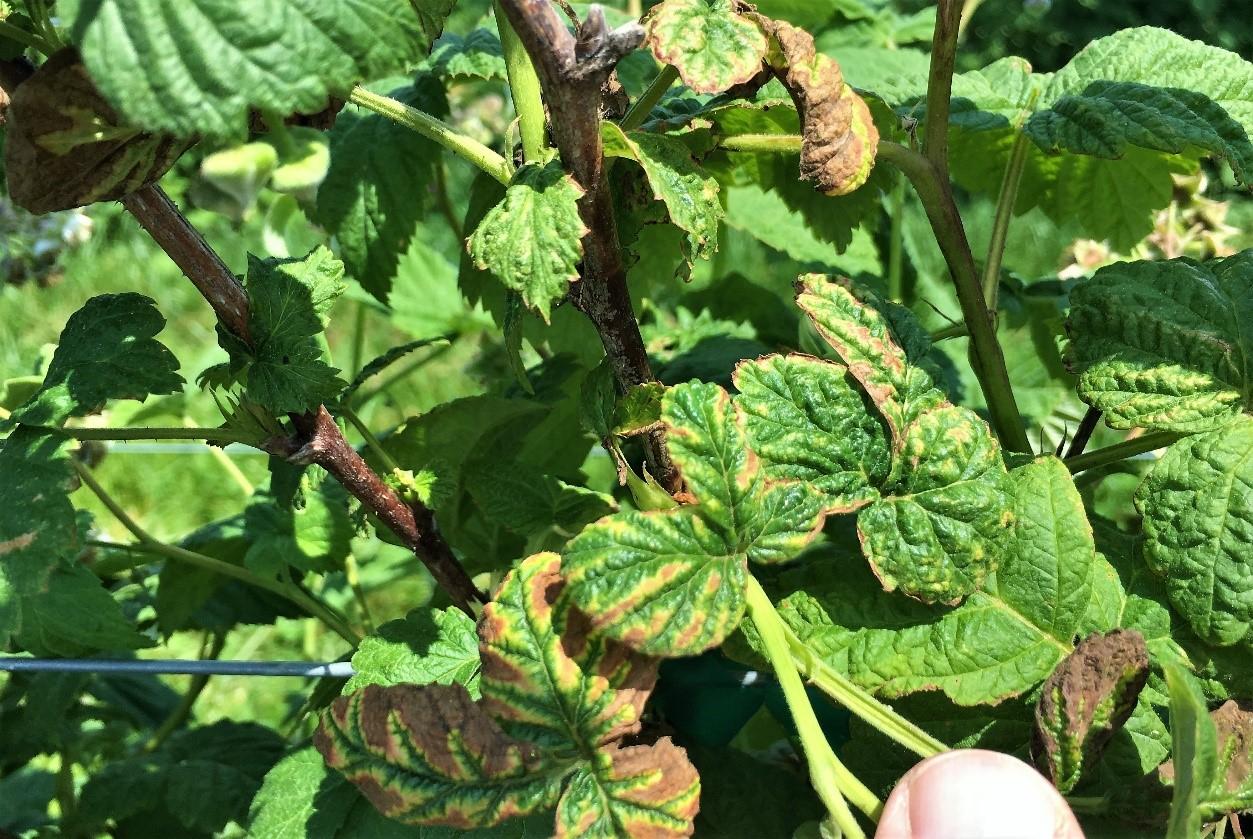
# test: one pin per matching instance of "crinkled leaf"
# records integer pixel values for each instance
(632, 791)
(1085, 701)
(427, 646)
(711, 46)
(108, 350)
(1166, 345)
(533, 240)
(689, 193)
(809, 422)
(875, 355)
(1001, 641)
(671, 583)
(429, 755)
(66, 147)
(564, 690)
(359, 202)
(199, 66)
(1198, 526)
(1107, 117)
(290, 300)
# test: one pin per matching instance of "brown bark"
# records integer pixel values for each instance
(573, 68)
(318, 439)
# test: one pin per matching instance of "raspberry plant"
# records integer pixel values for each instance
(706, 247)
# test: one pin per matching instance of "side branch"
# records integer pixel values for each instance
(572, 69)
(319, 440)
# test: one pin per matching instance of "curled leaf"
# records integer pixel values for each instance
(429, 755)
(1086, 700)
(65, 146)
(839, 137)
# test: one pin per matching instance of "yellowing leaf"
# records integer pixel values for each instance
(533, 239)
(711, 46)
(671, 582)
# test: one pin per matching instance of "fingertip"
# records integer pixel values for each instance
(976, 794)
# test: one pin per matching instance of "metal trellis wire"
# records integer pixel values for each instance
(174, 667)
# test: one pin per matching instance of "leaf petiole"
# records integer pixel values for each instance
(832, 781)
(1151, 441)
(467, 148)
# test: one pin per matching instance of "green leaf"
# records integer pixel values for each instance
(382, 362)
(427, 646)
(936, 530)
(1002, 641)
(711, 46)
(529, 502)
(38, 532)
(290, 301)
(75, 616)
(689, 193)
(108, 350)
(533, 240)
(359, 203)
(201, 779)
(1108, 117)
(670, 583)
(429, 755)
(1127, 105)
(1164, 345)
(476, 56)
(198, 67)
(1194, 753)
(1198, 525)
(809, 422)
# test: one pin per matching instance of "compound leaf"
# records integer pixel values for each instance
(427, 646)
(1198, 525)
(199, 66)
(108, 350)
(711, 46)
(533, 239)
(935, 527)
(1002, 641)
(1165, 345)
(671, 582)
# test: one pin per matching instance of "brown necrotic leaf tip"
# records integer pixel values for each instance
(67, 147)
(1085, 701)
(839, 137)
